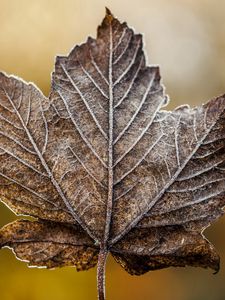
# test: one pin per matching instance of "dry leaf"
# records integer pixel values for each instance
(103, 168)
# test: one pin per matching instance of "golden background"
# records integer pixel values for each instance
(187, 39)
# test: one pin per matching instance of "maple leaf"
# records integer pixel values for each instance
(103, 168)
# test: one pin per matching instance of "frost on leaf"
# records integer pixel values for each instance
(103, 167)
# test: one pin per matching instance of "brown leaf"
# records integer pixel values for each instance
(104, 168)
(44, 243)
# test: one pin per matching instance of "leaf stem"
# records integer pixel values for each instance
(101, 273)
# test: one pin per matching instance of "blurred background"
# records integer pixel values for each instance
(187, 39)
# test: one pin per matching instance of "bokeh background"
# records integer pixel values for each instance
(187, 39)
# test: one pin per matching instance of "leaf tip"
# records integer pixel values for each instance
(108, 14)
(216, 267)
